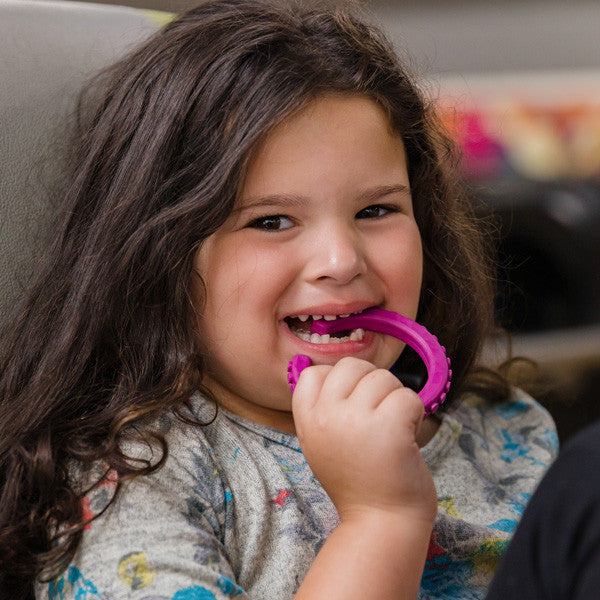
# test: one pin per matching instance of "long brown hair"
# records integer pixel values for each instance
(105, 340)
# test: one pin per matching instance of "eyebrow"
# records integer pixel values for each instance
(381, 191)
(292, 200)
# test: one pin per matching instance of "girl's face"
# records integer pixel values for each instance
(324, 226)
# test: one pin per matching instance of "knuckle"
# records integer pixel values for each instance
(385, 377)
(409, 398)
(313, 375)
(389, 376)
(349, 362)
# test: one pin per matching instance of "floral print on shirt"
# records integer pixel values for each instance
(236, 511)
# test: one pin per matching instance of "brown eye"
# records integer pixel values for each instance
(271, 223)
(376, 211)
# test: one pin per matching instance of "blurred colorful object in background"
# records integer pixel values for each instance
(542, 127)
(530, 148)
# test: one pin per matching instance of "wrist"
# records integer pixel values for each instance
(389, 533)
(372, 553)
(419, 516)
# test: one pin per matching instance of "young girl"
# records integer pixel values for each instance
(253, 167)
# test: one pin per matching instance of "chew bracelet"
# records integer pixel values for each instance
(416, 336)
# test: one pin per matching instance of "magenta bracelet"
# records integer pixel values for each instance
(416, 336)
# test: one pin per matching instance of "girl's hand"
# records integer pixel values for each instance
(357, 426)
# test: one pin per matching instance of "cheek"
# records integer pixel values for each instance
(402, 262)
(242, 286)
(227, 270)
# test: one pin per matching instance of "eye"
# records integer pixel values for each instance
(271, 223)
(376, 211)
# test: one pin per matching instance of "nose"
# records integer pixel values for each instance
(337, 255)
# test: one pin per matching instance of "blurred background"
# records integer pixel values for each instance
(518, 82)
(518, 85)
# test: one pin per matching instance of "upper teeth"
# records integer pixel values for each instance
(315, 338)
(304, 318)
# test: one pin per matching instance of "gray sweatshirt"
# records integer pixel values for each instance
(236, 510)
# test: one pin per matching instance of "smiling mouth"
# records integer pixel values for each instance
(300, 326)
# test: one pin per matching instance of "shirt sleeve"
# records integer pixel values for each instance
(555, 552)
(163, 537)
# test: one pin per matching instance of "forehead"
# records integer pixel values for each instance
(344, 111)
(348, 136)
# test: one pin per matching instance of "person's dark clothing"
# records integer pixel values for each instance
(555, 552)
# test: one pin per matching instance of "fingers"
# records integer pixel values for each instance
(321, 387)
(374, 387)
(344, 378)
(309, 386)
(325, 381)
(350, 378)
(357, 427)
(410, 405)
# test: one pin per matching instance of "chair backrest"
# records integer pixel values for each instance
(47, 50)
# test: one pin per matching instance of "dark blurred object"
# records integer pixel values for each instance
(549, 253)
(549, 287)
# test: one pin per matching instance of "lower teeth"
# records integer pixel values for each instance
(315, 338)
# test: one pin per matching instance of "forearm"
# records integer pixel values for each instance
(375, 556)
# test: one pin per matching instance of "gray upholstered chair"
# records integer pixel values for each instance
(47, 50)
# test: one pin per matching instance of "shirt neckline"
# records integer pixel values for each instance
(203, 408)
(446, 434)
